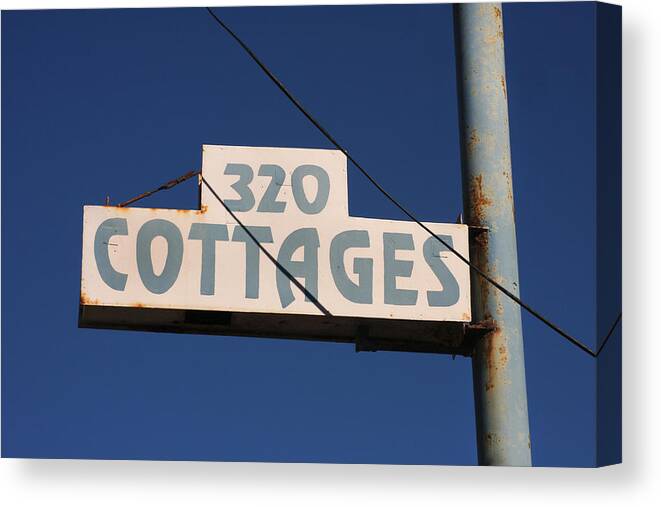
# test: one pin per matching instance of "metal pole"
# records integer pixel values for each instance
(499, 383)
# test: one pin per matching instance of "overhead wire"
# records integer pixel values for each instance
(574, 341)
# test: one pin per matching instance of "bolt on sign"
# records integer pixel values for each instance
(383, 284)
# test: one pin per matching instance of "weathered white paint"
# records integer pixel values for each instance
(230, 266)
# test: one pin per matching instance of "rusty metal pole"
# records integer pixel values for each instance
(499, 383)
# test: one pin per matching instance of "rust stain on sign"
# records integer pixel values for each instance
(86, 300)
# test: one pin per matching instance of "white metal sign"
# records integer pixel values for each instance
(295, 203)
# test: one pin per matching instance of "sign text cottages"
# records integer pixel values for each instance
(381, 282)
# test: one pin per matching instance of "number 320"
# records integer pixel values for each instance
(269, 202)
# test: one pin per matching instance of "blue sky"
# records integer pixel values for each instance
(118, 101)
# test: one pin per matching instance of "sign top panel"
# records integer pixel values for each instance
(266, 184)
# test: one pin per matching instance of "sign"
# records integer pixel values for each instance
(294, 202)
